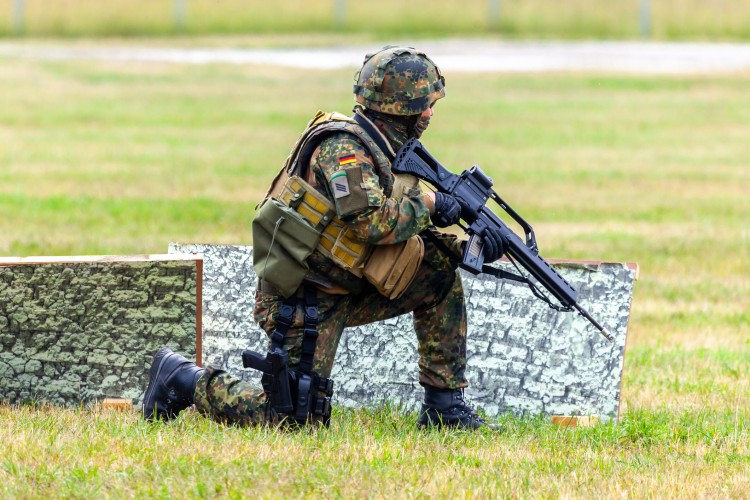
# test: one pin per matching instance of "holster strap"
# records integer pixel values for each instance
(310, 335)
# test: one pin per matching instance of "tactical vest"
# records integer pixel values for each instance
(289, 186)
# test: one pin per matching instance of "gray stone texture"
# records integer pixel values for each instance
(78, 332)
(523, 357)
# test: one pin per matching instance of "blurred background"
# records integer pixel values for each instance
(545, 19)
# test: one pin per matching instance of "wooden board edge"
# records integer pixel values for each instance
(199, 312)
(93, 259)
(117, 404)
(567, 421)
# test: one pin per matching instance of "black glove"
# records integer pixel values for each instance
(495, 244)
(447, 210)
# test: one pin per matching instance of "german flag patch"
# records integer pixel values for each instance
(348, 159)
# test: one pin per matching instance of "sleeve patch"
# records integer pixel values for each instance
(340, 184)
(350, 196)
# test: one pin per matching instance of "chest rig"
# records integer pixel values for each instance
(293, 185)
(301, 395)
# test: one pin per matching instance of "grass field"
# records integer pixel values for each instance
(108, 158)
(576, 19)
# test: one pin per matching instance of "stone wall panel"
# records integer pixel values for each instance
(85, 329)
(523, 357)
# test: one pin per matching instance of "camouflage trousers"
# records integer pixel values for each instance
(435, 297)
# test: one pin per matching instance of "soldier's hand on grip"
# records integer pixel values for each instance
(495, 244)
(447, 210)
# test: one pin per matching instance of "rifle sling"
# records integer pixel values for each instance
(503, 275)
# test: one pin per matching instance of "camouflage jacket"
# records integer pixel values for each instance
(342, 168)
(345, 171)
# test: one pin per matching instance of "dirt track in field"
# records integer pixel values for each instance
(451, 55)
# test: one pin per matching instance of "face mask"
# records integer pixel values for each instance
(420, 126)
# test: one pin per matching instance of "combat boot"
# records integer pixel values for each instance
(171, 387)
(446, 407)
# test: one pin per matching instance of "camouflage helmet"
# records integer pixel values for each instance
(398, 81)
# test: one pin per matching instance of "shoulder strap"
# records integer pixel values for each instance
(291, 163)
(320, 118)
(315, 136)
(376, 136)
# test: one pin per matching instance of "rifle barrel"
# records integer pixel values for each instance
(583, 312)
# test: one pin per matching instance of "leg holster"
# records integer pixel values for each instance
(299, 393)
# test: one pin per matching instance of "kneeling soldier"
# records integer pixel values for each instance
(341, 241)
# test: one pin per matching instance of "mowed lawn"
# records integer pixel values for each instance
(120, 158)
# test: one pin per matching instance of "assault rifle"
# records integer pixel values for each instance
(472, 189)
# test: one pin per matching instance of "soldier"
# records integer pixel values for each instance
(374, 224)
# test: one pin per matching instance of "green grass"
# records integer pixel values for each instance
(572, 19)
(114, 158)
(75, 453)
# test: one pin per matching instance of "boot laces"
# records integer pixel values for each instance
(463, 410)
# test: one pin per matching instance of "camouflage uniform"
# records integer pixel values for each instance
(435, 296)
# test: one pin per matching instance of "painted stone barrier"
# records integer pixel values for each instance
(523, 357)
(77, 330)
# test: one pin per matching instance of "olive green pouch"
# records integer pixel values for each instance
(282, 242)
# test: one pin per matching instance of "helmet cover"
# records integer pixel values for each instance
(398, 81)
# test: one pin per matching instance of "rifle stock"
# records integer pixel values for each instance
(472, 189)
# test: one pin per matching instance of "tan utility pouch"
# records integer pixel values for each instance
(336, 242)
(392, 268)
(305, 200)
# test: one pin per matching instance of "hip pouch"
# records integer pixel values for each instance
(282, 241)
(286, 231)
(392, 268)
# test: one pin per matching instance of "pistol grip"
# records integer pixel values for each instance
(256, 361)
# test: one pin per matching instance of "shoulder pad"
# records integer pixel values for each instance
(322, 125)
(321, 117)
